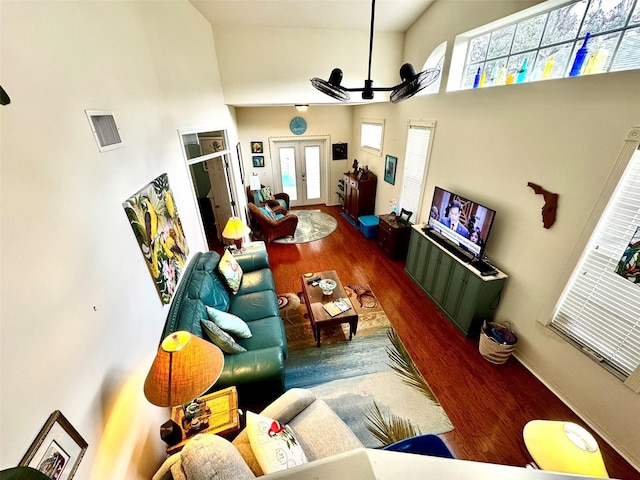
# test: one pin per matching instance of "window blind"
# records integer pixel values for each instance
(600, 308)
(415, 165)
(371, 136)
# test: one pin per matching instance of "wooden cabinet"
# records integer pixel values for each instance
(466, 297)
(359, 195)
(393, 237)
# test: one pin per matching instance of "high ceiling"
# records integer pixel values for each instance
(390, 15)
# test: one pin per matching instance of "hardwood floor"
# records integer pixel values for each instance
(488, 404)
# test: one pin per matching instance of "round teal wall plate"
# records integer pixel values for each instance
(298, 125)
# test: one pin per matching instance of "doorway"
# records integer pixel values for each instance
(300, 165)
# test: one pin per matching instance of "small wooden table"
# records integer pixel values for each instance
(224, 419)
(318, 315)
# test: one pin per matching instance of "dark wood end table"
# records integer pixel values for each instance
(315, 300)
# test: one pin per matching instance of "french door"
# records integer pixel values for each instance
(300, 164)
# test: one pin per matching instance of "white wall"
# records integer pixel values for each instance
(261, 65)
(81, 318)
(263, 123)
(564, 135)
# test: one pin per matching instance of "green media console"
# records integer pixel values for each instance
(466, 297)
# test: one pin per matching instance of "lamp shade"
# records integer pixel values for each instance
(235, 229)
(254, 182)
(185, 367)
(564, 447)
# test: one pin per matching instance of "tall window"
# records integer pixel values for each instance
(599, 310)
(416, 158)
(545, 42)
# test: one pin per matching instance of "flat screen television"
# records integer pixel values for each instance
(461, 222)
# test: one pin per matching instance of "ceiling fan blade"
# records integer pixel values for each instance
(332, 87)
(412, 82)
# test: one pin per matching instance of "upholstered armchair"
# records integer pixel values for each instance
(284, 224)
(278, 200)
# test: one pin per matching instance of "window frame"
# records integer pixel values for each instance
(631, 146)
(374, 149)
(456, 80)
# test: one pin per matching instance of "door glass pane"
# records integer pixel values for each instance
(288, 171)
(312, 168)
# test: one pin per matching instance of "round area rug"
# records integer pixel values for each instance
(312, 225)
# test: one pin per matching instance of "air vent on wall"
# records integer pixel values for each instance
(105, 130)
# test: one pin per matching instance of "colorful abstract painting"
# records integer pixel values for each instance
(629, 264)
(156, 225)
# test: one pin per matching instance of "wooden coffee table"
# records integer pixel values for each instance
(318, 315)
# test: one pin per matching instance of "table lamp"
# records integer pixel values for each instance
(564, 447)
(185, 367)
(235, 230)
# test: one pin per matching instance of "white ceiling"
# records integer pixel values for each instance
(390, 15)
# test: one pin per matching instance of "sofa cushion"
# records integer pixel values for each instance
(266, 332)
(220, 338)
(274, 444)
(228, 322)
(231, 271)
(255, 305)
(210, 289)
(257, 281)
(210, 456)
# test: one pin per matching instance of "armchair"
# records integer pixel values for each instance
(271, 229)
(279, 199)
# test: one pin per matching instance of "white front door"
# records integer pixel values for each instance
(300, 165)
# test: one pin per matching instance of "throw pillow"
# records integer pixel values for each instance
(268, 212)
(231, 271)
(272, 214)
(229, 322)
(220, 338)
(266, 194)
(274, 445)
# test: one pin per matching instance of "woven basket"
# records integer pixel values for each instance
(490, 349)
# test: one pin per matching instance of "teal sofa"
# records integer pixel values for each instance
(259, 372)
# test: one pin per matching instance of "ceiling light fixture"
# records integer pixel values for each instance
(302, 108)
(412, 82)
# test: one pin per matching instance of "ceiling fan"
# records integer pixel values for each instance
(412, 82)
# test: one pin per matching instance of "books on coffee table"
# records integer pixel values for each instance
(337, 306)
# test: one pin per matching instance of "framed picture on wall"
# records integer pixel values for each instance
(339, 151)
(390, 165)
(57, 450)
(258, 161)
(256, 147)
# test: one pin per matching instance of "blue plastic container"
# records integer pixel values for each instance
(369, 225)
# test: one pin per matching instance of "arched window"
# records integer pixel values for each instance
(435, 60)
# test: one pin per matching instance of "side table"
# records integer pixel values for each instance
(251, 247)
(393, 236)
(224, 419)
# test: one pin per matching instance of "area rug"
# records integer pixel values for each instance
(371, 318)
(364, 380)
(312, 225)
